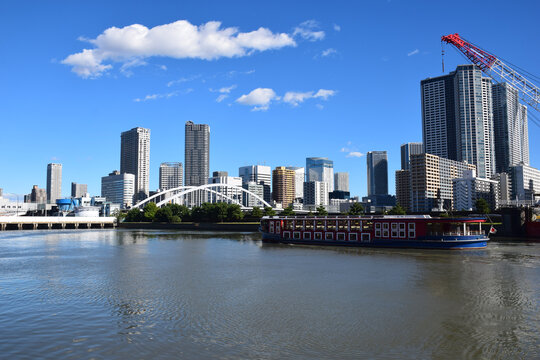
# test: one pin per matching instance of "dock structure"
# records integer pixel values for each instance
(55, 222)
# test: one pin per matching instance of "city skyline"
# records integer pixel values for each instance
(320, 115)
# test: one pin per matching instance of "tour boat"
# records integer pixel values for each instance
(396, 231)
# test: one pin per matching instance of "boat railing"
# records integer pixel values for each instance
(456, 233)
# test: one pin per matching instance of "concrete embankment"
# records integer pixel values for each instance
(247, 227)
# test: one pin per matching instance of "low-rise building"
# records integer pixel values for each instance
(118, 188)
(469, 188)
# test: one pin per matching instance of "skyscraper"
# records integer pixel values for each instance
(135, 159)
(341, 181)
(377, 173)
(260, 174)
(54, 182)
(457, 118)
(283, 185)
(197, 154)
(170, 175)
(78, 190)
(511, 131)
(299, 178)
(320, 169)
(118, 188)
(407, 150)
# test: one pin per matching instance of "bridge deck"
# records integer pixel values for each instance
(54, 222)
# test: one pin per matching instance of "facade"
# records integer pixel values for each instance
(505, 185)
(339, 195)
(431, 181)
(407, 150)
(197, 154)
(78, 190)
(135, 159)
(377, 173)
(299, 176)
(171, 175)
(283, 181)
(119, 188)
(457, 118)
(320, 169)
(525, 182)
(255, 188)
(37, 195)
(403, 189)
(54, 182)
(260, 174)
(469, 188)
(222, 177)
(510, 128)
(316, 193)
(341, 181)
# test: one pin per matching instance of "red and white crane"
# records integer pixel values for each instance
(492, 66)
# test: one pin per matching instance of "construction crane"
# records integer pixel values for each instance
(492, 66)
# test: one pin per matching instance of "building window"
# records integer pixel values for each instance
(317, 236)
(329, 236)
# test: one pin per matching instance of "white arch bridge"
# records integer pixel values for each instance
(210, 193)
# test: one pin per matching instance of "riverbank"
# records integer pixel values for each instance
(224, 226)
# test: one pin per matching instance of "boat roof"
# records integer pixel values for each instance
(378, 217)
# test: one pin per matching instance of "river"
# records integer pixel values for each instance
(122, 294)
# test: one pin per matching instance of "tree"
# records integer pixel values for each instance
(256, 212)
(268, 211)
(164, 215)
(288, 211)
(397, 210)
(321, 210)
(356, 209)
(181, 211)
(119, 215)
(149, 212)
(482, 206)
(234, 212)
(134, 215)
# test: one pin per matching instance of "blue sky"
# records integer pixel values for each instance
(293, 80)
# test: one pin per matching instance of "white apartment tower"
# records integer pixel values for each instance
(197, 154)
(299, 176)
(135, 159)
(170, 175)
(341, 181)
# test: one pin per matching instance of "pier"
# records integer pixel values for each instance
(55, 222)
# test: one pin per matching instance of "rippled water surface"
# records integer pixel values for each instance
(122, 294)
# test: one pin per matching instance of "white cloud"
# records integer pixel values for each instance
(160, 96)
(328, 52)
(260, 98)
(295, 98)
(163, 67)
(183, 80)
(224, 90)
(222, 97)
(178, 40)
(308, 30)
(319, 106)
(354, 154)
(414, 52)
(337, 27)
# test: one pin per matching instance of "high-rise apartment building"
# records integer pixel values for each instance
(197, 154)
(170, 175)
(256, 189)
(316, 193)
(407, 150)
(431, 181)
(260, 174)
(457, 118)
(511, 130)
(377, 173)
(341, 181)
(118, 188)
(54, 182)
(525, 182)
(283, 181)
(78, 190)
(403, 189)
(37, 195)
(135, 159)
(299, 178)
(320, 169)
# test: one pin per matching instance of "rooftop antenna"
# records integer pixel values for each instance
(442, 56)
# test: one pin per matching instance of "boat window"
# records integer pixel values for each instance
(367, 225)
(296, 235)
(394, 230)
(412, 232)
(299, 225)
(386, 231)
(366, 237)
(353, 237)
(289, 225)
(307, 236)
(402, 230)
(319, 225)
(343, 225)
(264, 225)
(330, 225)
(271, 226)
(317, 236)
(355, 225)
(341, 236)
(329, 236)
(309, 225)
(286, 235)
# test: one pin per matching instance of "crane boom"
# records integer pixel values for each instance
(496, 69)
